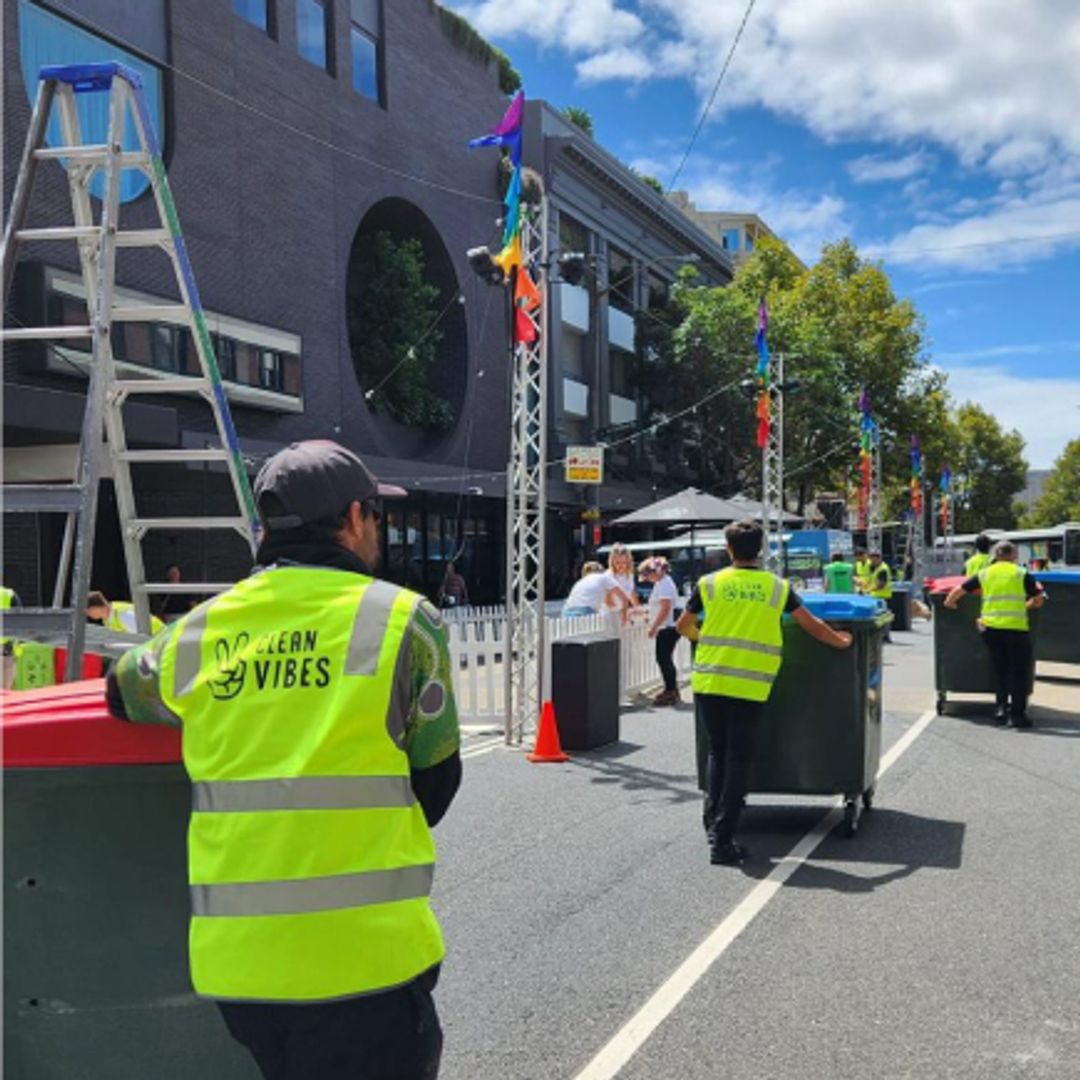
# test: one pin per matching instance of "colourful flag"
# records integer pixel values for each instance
(764, 401)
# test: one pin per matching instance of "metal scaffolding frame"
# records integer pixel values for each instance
(772, 470)
(874, 515)
(526, 497)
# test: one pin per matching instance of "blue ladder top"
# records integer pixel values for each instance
(88, 78)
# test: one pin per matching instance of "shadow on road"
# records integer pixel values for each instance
(893, 843)
(609, 769)
(1064, 723)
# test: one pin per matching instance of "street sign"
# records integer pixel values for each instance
(584, 464)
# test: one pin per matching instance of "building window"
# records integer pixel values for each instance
(45, 38)
(730, 240)
(225, 348)
(270, 370)
(659, 291)
(749, 242)
(365, 36)
(621, 368)
(253, 11)
(573, 236)
(621, 280)
(311, 32)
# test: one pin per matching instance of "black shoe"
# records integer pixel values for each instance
(727, 854)
(1022, 721)
(1001, 716)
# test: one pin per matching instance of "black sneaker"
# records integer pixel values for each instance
(727, 854)
(1021, 720)
(1001, 716)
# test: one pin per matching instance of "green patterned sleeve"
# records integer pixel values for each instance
(431, 733)
(137, 676)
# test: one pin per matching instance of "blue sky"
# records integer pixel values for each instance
(942, 136)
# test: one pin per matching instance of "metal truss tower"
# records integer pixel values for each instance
(526, 497)
(772, 470)
(874, 515)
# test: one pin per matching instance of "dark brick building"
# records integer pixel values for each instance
(294, 130)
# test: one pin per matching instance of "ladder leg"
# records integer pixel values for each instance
(20, 199)
(79, 177)
(64, 567)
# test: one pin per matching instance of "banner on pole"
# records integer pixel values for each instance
(584, 464)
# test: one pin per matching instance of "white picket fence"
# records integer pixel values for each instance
(477, 647)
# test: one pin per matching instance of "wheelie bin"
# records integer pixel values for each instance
(820, 731)
(961, 659)
(1058, 639)
(96, 901)
(900, 604)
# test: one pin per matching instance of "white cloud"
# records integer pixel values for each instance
(805, 220)
(590, 26)
(875, 168)
(1045, 411)
(621, 62)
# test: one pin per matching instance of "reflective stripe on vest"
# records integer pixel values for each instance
(310, 860)
(1004, 602)
(740, 645)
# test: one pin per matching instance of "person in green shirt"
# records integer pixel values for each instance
(839, 575)
(982, 557)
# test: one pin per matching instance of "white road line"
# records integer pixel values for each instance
(483, 747)
(634, 1034)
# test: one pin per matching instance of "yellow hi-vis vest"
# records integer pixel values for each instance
(740, 643)
(122, 618)
(1004, 602)
(862, 570)
(885, 591)
(7, 597)
(979, 561)
(309, 859)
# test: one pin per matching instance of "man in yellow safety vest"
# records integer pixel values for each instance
(116, 615)
(321, 737)
(1009, 592)
(736, 660)
(981, 557)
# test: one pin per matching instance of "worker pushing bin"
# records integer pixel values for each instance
(1058, 639)
(828, 742)
(962, 662)
(96, 979)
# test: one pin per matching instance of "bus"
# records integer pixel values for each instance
(1055, 546)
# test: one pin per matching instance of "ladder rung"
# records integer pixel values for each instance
(37, 333)
(124, 238)
(152, 313)
(38, 624)
(160, 588)
(193, 384)
(129, 159)
(41, 498)
(148, 457)
(145, 524)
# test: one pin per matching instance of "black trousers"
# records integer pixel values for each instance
(731, 724)
(1010, 655)
(390, 1036)
(666, 640)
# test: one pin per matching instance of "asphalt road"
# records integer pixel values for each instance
(942, 942)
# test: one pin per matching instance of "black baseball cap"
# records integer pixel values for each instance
(316, 480)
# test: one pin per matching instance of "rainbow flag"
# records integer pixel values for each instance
(763, 410)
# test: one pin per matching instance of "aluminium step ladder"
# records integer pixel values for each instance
(103, 424)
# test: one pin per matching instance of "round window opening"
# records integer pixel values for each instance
(406, 325)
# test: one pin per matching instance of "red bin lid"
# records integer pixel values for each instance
(945, 584)
(69, 726)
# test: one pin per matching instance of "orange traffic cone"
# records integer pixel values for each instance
(547, 746)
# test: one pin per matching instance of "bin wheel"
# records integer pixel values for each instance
(941, 705)
(851, 818)
(868, 799)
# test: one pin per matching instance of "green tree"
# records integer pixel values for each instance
(391, 311)
(990, 464)
(1060, 498)
(580, 118)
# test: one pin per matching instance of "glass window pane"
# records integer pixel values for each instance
(365, 64)
(290, 375)
(226, 357)
(365, 13)
(163, 355)
(620, 280)
(137, 343)
(252, 11)
(573, 236)
(311, 31)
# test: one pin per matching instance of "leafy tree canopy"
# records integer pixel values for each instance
(580, 118)
(1060, 498)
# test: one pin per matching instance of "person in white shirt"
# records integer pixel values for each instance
(592, 590)
(662, 602)
(621, 568)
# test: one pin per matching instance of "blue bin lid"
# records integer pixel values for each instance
(845, 606)
(1062, 577)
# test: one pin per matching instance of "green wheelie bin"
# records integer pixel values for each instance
(96, 982)
(820, 731)
(1058, 639)
(961, 659)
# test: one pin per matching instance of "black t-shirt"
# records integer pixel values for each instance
(1031, 587)
(697, 605)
